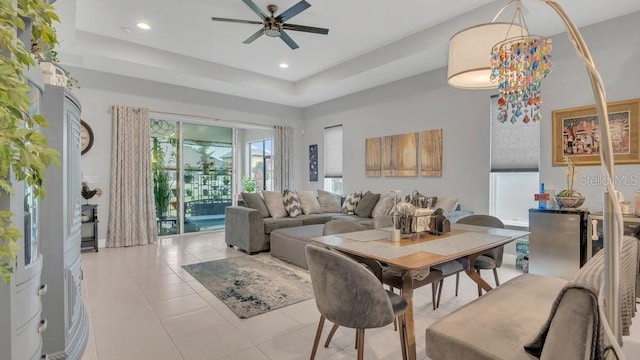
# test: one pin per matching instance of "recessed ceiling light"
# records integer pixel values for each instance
(126, 30)
(284, 65)
(144, 26)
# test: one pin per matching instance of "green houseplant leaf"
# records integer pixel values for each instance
(24, 154)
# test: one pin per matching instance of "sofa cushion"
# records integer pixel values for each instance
(271, 224)
(383, 207)
(366, 204)
(351, 202)
(292, 203)
(329, 202)
(274, 203)
(255, 201)
(312, 219)
(309, 202)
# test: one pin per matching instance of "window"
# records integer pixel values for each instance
(333, 159)
(261, 164)
(515, 154)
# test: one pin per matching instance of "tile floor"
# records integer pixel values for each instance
(143, 305)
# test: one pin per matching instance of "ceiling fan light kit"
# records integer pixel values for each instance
(273, 25)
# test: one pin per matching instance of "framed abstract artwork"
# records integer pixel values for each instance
(400, 155)
(431, 160)
(373, 156)
(313, 162)
(576, 134)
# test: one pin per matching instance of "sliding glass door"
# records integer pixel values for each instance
(208, 176)
(194, 172)
(164, 160)
(192, 175)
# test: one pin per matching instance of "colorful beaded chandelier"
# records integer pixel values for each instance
(518, 66)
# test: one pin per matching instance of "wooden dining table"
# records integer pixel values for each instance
(421, 251)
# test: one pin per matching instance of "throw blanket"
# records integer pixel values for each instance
(589, 279)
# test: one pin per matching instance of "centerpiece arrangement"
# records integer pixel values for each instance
(570, 198)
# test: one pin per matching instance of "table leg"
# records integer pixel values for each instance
(474, 275)
(407, 294)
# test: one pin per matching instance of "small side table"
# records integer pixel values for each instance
(90, 213)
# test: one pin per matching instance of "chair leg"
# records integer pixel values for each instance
(495, 276)
(479, 288)
(317, 339)
(457, 282)
(403, 335)
(360, 336)
(333, 331)
(440, 286)
(434, 291)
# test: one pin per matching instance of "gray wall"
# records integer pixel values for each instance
(100, 90)
(425, 102)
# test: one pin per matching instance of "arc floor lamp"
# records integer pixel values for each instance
(470, 68)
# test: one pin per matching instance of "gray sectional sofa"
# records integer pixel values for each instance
(246, 229)
(249, 227)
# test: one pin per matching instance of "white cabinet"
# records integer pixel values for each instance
(60, 222)
(21, 321)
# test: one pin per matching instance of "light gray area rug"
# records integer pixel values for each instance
(253, 285)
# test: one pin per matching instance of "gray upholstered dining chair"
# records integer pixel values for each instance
(390, 276)
(348, 294)
(491, 259)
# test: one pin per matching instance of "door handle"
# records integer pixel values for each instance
(42, 290)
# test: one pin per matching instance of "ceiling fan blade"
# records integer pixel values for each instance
(288, 40)
(251, 38)
(293, 11)
(255, 8)
(237, 21)
(310, 29)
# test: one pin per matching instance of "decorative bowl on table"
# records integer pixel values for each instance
(570, 202)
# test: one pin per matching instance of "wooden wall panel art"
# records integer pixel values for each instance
(400, 155)
(431, 152)
(373, 156)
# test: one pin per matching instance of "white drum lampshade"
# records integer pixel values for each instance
(470, 54)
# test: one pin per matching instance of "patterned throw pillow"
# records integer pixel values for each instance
(309, 202)
(329, 202)
(292, 203)
(273, 201)
(383, 207)
(351, 202)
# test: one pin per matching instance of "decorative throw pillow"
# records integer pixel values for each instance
(446, 204)
(292, 203)
(350, 202)
(366, 204)
(255, 201)
(329, 202)
(309, 202)
(274, 203)
(383, 207)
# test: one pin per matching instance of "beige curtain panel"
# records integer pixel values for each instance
(132, 213)
(283, 159)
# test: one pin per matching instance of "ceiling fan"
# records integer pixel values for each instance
(274, 26)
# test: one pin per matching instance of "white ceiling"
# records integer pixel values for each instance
(369, 42)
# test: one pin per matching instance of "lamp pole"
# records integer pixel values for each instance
(612, 214)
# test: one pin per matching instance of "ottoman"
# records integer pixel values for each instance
(288, 244)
